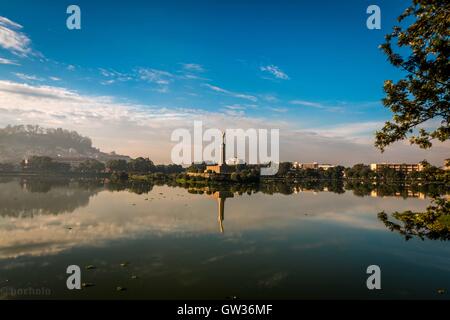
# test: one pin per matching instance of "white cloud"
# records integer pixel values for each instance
(308, 104)
(114, 76)
(319, 105)
(279, 110)
(159, 77)
(359, 132)
(27, 77)
(269, 98)
(275, 72)
(114, 124)
(231, 93)
(6, 22)
(155, 76)
(8, 61)
(55, 78)
(193, 67)
(144, 130)
(12, 39)
(235, 107)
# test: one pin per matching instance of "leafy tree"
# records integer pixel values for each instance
(197, 167)
(141, 165)
(359, 171)
(46, 164)
(284, 168)
(432, 224)
(117, 165)
(423, 94)
(91, 166)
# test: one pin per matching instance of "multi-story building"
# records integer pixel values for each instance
(312, 165)
(401, 167)
(326, 166)
(299, 165)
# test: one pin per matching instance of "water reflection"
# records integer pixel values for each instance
(67, 212)
(26, 198)
(278, 236)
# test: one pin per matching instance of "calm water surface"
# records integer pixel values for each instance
(176, 244)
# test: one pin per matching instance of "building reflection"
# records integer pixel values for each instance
(408, 193)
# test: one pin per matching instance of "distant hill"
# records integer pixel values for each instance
(21, 142)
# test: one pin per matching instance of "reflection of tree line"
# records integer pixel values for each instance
(336, 186)
(28, 197)
(45, 185)
(398, 190)
(433, 224)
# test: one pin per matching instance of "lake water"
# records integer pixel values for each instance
(164, 242)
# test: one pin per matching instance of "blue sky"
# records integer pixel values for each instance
(309, 66)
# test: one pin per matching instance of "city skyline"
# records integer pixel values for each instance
(132, 75)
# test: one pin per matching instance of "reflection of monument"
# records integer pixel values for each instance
(221, 196)
(222, 166)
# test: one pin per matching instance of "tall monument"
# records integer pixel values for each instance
(222, 150)
(221, 167)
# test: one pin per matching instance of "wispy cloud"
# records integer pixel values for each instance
(193, 67)
(275, 72)
(8, 61)
(27, 77)
(318, 105)
(12, 39)
(279, 110)
(113, 76)
(359, 132)
(159, 77)
(155, 76)
(269, 97)
(235, 107)
(231, 93)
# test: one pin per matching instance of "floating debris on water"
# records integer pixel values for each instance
(121, 289)
(124, 264)
(90, 267)
(87, 284)
(134, 277)
(441, 291)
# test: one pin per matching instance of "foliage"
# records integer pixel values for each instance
(433, 224)
(141, 165)
(423, 94)
(91, 166)
(45, 164)
(117, 165)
